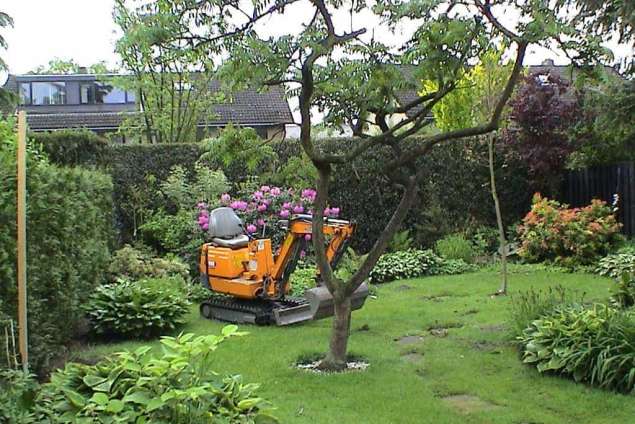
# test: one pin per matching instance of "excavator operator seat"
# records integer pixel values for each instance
(226, 229)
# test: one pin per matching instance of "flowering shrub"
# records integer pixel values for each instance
(261, 210)
(567, 236)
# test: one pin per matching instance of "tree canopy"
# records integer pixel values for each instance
(351, 61)
(69, 66)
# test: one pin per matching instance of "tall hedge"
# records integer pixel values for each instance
(454, 191)
(72, 147)
(69, 236)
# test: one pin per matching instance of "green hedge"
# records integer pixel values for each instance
(455, 191)
(69, 232)
(72, 147)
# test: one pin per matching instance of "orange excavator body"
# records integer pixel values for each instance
(248, 271)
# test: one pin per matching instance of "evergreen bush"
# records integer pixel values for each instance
(69, 235)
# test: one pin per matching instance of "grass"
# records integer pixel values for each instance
(467, 374)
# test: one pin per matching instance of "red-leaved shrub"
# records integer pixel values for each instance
(568, 236)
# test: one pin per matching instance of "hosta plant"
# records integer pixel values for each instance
(568, 236)
(404, 264)
(177, 386)
(623, 294)
(591, 344)
(137, 263)
(615, 265)
(139, 309)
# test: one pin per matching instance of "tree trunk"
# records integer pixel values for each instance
(336, 357)
(499, 218)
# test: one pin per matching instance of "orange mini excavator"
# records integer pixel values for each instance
(255, 283)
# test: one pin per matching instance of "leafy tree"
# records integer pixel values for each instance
(69, 66)
(605, 128)
(542, 112)
(342, 70)
(606, 17)
(5, 22)
(172, 85)
(472, 101)
(7, 99)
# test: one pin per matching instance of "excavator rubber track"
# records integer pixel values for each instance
(261, 312)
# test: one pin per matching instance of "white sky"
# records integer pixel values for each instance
(84, 30)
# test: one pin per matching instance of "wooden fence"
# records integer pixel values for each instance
(604, 183)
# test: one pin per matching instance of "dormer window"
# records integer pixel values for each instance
(87, 94)
(25, 93)
(48, 93)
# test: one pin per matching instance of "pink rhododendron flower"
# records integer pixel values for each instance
(201, 205)
(298, 209)
(307, 237)
(265, 189)
(266, 202)
(260, 222)
(262, 207)
(225, 198)
(335, 212)
(309, 194)
(284, 213)
(205, 226)
(275, 191)
(327, 212)
(251, 228)
(302, 254)
(239, 205)
(286, 205)
(258, 195)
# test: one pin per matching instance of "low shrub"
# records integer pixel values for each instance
(178, 386)
(196, 293)
(402, 240)
(591, 344)
(136, 263)
(17, 397)
(623, 295)
(568, 237)
(139, 309)
(616, 264)
(484, 239)
(451, 267)
(527, 306)
(456, 246)
(404, 264)
(302, 279)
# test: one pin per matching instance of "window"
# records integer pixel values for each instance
(86, 94)
(48, 93)
(107, 93)
(25, 93)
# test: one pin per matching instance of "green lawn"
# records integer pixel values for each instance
(472, 375)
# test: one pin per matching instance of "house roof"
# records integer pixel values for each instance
(247, 107)
(565, 72)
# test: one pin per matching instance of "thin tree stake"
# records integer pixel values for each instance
(21, 218)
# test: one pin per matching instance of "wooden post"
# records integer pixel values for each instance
(22, 307)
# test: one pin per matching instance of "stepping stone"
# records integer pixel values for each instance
(408, 340)
(412, 357)
(467, 404)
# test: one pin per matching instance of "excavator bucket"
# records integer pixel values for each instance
(321, 301)
(319, 304)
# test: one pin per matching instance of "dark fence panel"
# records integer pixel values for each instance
(603, 183)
